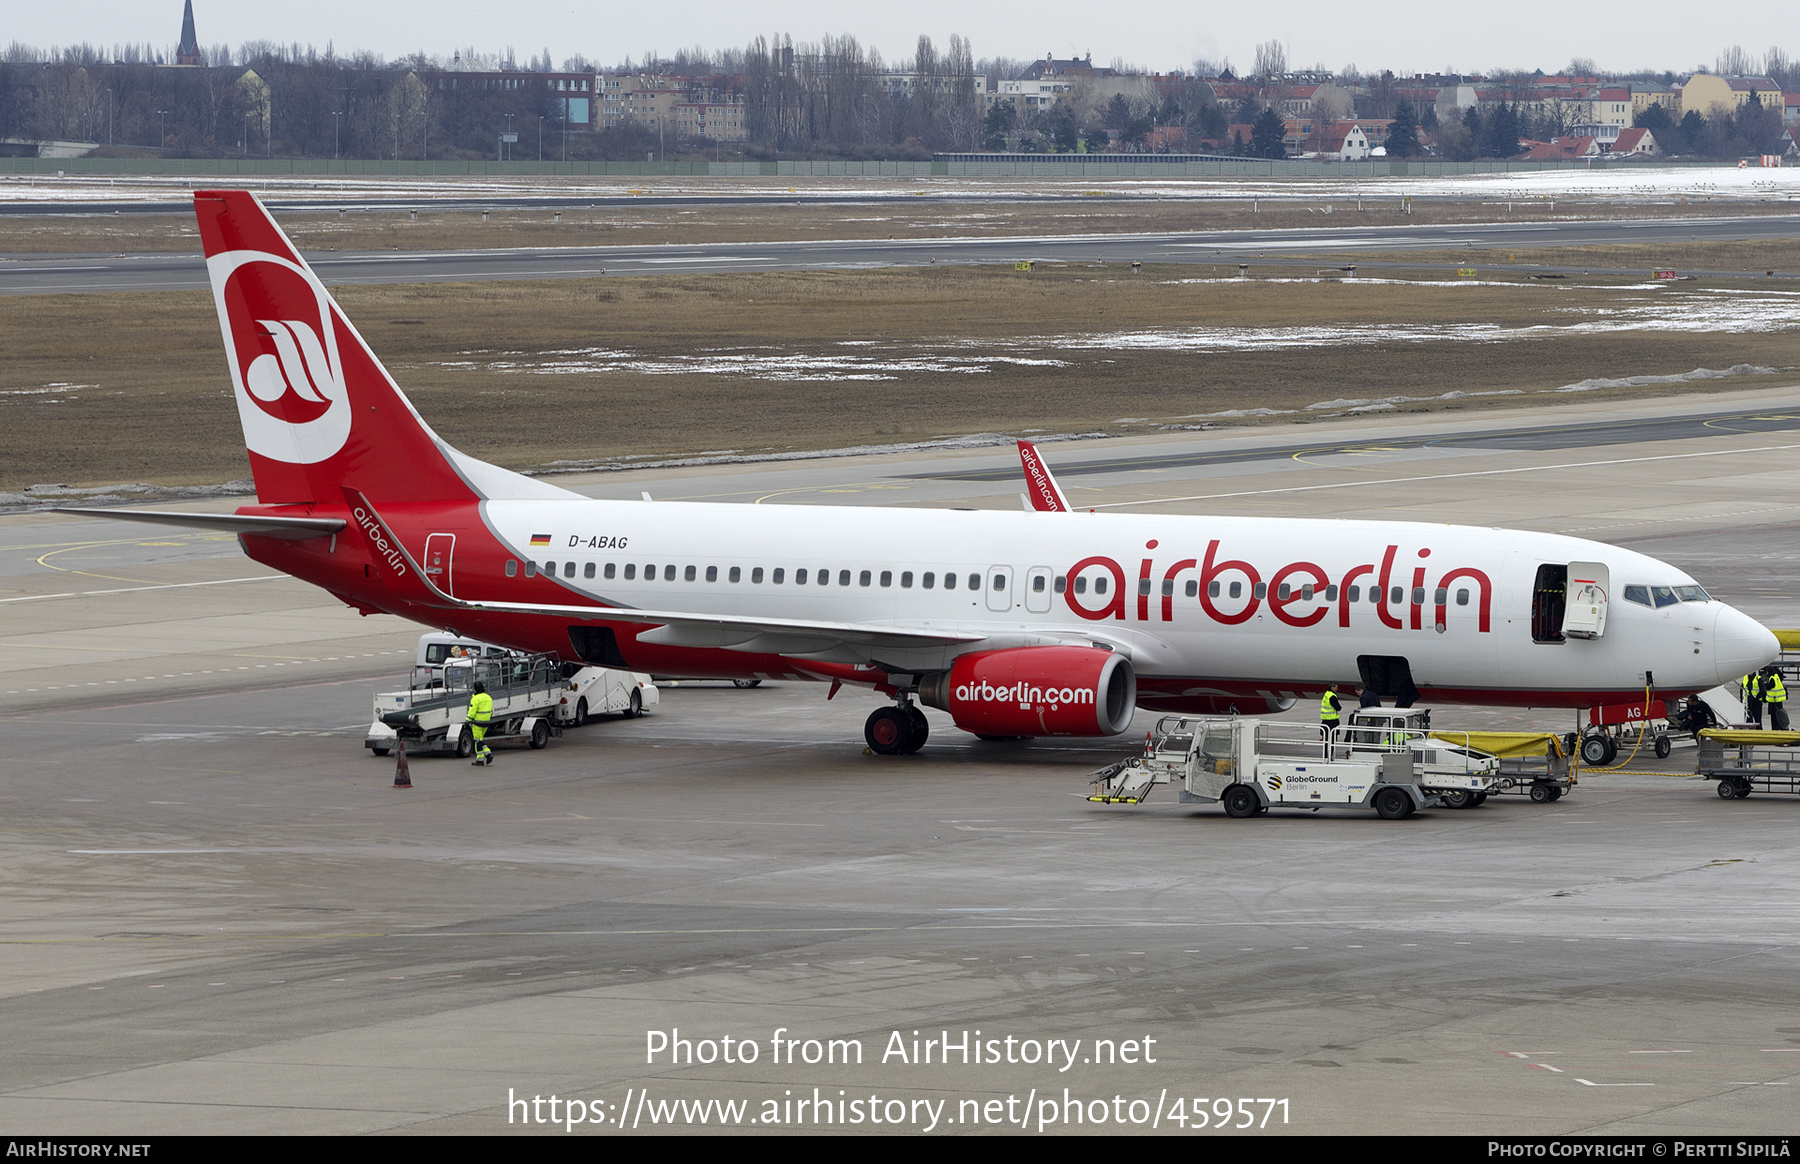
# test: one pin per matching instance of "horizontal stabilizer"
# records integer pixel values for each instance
(292, 528)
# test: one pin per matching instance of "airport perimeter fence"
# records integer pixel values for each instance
(952, 166)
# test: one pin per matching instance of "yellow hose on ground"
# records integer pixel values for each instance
(1642, 732)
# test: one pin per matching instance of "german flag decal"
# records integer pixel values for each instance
(540, 539)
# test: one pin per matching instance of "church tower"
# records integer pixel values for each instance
(189, 53)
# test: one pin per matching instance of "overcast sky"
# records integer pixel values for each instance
(1408, 36)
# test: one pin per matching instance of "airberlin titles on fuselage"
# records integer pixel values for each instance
(1231, 591)
(1297, 584)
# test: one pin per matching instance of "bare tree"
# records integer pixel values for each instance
(1780, 68)
(1734, 62)
(1271, 59)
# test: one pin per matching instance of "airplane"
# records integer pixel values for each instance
(1051, 622)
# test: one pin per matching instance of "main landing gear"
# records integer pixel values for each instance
(896, 731)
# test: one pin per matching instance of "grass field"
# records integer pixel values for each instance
(390, 229)
(115, 388)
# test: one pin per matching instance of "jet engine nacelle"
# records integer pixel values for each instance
(1036, 691)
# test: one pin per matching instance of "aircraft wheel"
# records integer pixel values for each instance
(921, 729)
(1663, 747)
(540, 734)
(465, 745)
(1393, 804)
(637, 705)
(746, 682)
(1540, 794)
(1459, 798)
(1593, 751)
(1241, 801)
(581, 712)
(888, 731)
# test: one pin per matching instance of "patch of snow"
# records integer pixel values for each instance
(1681, 378)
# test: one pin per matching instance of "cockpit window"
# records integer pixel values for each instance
(1659, 596)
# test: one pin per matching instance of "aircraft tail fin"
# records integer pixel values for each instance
(319, 411)
(1045, 494)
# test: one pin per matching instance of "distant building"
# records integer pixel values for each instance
(1561, 149)
(1344, 141)
(705, 107)
(575, 95)
(189, 51)
(1705, 93)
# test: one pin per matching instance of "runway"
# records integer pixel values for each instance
(178, 272)
(225, 920)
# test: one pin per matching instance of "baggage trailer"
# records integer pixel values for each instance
(1745, 760)
(1450, 764)
(1252, 765)
(1536, 764)
(431, 714)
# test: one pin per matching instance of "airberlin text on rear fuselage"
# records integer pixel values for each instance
(1305, 585)
(378, 539)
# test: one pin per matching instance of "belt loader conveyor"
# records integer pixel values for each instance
(1252, 765)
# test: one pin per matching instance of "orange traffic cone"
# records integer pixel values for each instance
(402, 770)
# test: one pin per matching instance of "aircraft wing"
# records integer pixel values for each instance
(292, 528)
(784, 636)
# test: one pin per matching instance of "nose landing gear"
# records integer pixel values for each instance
(896, 731)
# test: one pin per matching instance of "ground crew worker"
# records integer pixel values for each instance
(1750, 689)
(480, 719)
(1774, 693)
(1330, 711)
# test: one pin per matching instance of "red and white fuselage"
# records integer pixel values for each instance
(1018, 623)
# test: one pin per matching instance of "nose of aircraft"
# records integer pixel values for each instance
(1740, 644)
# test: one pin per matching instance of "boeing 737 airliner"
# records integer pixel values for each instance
(1015, 623)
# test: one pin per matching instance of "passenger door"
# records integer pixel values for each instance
(440, 548)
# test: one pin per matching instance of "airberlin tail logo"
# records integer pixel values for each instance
(297, 365)
(282, 346)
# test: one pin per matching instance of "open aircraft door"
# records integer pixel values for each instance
(1584, 612)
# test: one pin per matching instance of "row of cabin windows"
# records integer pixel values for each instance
(1396, 596)
(776, 577)
(929, 581)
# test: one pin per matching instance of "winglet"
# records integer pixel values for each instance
(1046, 495)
